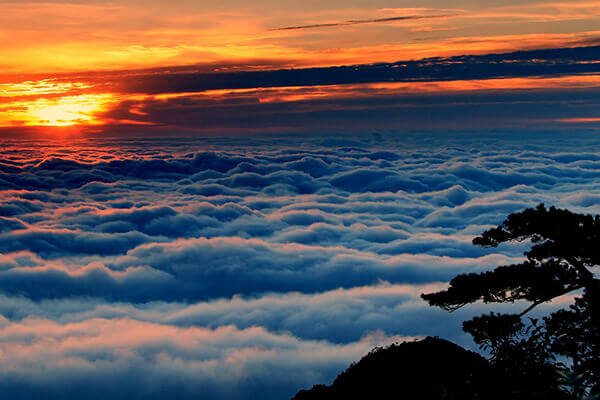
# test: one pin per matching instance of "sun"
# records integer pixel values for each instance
(67, 111)
(51, 103)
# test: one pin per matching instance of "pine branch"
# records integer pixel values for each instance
(536, 303)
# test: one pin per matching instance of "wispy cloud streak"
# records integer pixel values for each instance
(360, 21)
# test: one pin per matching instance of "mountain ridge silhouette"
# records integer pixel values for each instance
(431, 368)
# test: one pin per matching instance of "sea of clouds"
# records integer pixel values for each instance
(250, 268)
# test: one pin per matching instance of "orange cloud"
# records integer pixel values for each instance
(579, 120)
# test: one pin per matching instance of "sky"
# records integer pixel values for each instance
(150, 68)
(236, 200)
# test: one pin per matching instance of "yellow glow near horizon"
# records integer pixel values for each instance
(62, 111)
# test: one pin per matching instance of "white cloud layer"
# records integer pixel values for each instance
(218, 269)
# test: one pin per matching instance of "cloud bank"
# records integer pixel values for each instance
(220, 268)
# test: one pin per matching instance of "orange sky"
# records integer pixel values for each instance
(69, 36)
(41, 39)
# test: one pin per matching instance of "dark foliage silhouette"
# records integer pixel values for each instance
(562, 350)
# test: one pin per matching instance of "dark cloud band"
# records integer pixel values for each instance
(361, 21)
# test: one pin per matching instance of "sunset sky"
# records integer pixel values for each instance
(227, 199)
(108, 67)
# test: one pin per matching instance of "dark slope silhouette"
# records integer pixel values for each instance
(431, 368)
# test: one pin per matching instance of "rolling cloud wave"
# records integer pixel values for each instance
(209, 264)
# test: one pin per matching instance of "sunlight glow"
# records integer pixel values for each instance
(61, 111)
